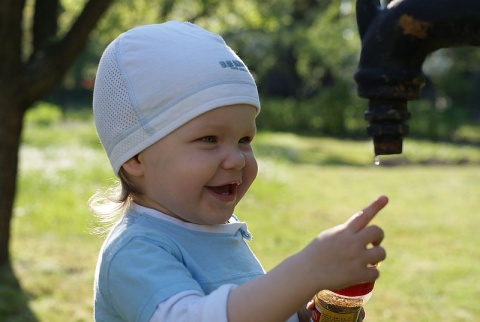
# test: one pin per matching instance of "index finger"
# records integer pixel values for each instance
(361, 219)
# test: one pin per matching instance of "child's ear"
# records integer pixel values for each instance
(133, 166)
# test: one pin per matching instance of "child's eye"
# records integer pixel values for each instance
(245, 140)
(209, 139)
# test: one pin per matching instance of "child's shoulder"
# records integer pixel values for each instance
(134, 229)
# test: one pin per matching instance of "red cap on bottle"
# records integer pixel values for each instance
(356, 290)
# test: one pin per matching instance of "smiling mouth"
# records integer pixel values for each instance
(225, 190)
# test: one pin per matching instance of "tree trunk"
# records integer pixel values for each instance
(11, 116)
(11, 120)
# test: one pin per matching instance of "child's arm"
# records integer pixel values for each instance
(336, 258)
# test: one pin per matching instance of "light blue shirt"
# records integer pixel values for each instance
(148, 258)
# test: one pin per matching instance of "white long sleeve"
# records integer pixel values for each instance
(194, 306)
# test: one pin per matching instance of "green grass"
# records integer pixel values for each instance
(305, 185)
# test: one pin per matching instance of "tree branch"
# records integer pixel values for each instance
(45, 23)
(74, 41)
(48, 65)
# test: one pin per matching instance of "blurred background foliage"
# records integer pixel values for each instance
(303, 54)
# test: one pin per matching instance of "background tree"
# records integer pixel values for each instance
(35, 55)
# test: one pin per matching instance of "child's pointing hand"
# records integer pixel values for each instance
(347, 254)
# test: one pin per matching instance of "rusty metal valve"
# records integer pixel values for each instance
(395, 42)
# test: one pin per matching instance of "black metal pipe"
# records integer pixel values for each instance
(395, 42)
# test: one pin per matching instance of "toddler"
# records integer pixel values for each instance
(175, 111)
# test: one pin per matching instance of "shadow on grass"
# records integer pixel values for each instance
(13, 299)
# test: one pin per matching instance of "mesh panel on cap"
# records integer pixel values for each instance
(115, 115)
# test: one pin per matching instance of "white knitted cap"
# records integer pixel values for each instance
(153, 79)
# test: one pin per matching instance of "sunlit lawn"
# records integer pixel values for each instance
(305, 185)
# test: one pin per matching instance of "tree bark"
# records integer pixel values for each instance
(45, 24)
(10, 133)
(23, 83)
(11, 116)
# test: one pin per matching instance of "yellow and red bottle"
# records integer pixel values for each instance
(341, 305)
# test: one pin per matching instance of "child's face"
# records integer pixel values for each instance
(199, 172)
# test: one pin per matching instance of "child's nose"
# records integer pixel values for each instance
(234, 159)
